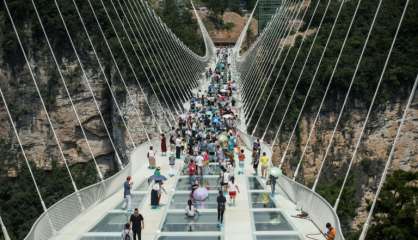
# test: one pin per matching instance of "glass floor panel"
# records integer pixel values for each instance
(179, 201)
(189, 238)
(179, 222)
(101, 237)
(262, 200)
(277, 237)
(212, 170)
(254, 184)
(143, 186)
(136, 201)
(271, 221)
(212, 183)
(112, 222)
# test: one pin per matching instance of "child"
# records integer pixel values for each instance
(232, 189)
(241, 159)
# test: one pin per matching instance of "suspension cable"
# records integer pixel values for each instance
(265, 70)
(58, 142)
(348, 93)
(88, 84)
(388, 161)
(67, 91)
(116, 65)
(290, 71)
(255, 107)
(327, 89)
(312, 83)
(128, 60)
(372, 105)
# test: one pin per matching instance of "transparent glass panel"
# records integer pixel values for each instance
(136, 201)
(189, 238)
(271, 221)
(101, 238)
(254, 184)
(179, 222)
(179, 201)
(142, 187)
(212, 183)
(277, 237)
(113, 222)
(262, 200)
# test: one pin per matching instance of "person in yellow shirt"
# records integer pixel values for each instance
(264, 160)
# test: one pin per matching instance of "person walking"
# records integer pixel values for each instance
(273, 181)
(241, 161)
(163, 145)
(199, 163)
(221, 200)
(178, 147)
(137, 224)
(127, 185)
(256, 161)
(264, 160)
(126, 232)
(172, 163)
(233, 190)
(151, 158)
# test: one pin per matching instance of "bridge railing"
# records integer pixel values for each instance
(67, 209)
(319, 210)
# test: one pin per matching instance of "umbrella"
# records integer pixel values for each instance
(200, 194)
(276, 172)
(209, 113)
(157, 178)
(223, 138)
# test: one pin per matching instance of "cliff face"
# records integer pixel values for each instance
(372, 153)
(32, 123)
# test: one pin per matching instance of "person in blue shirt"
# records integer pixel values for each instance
(127, 185)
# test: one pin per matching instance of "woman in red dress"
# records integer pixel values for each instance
(163, 145)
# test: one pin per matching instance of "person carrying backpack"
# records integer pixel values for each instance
(221, 200)
(192, 168)
(127, 233)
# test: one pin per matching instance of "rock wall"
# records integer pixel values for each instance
(372, 153)
(36, 134)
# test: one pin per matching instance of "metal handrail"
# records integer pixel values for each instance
(320, 210)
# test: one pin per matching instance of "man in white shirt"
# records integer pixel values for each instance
(199, 163)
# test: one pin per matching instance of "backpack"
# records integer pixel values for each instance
(192, 169)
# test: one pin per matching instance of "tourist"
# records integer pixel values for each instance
(256, 161)
(331, 232)
(241, 161)
(163, 145)
(190, 210)
(172, 141)
(156, 193)
(273, 182)
(151, 158)
(127, 185)
(192, 171)
(264, 160)
(199, 163)
(178, 147)
(126, 232)
(172, 163)
(137, 224)
(212, 151)
(232, 190)
(221, 200)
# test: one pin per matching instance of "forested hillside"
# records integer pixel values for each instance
(19, 204)
(397, 82)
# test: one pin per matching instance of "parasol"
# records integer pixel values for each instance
(200, 194)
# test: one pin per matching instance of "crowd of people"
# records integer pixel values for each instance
(206, 139)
